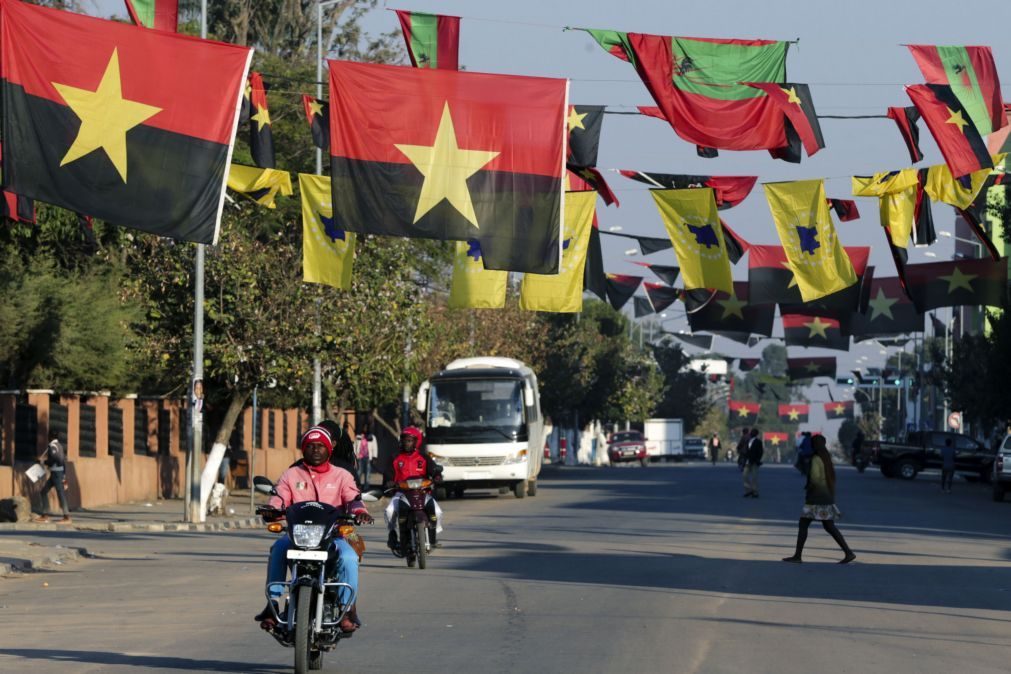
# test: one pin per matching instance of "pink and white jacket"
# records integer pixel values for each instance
(332, 485)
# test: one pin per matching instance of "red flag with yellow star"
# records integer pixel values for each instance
(796, 103)
(742, 414)
(442, 154)
(775, 439)
(841, 409)
(961, 144)
(814, 331)
(261, 136)
(794, 413)
(131, 126)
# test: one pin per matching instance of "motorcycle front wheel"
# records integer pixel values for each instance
(303, 621)
(421, 533)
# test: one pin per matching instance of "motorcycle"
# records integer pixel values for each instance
(860, 461)
(313, 611)
(413, 521)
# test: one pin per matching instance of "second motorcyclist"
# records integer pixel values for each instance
(411, 463)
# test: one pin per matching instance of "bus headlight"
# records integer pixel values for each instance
(518, 457)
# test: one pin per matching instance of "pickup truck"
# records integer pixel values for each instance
(922, 449)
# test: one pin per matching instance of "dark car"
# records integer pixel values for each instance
(922, 449)
(627, 446)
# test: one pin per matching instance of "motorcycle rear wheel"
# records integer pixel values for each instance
(421, 534)
(303, 619)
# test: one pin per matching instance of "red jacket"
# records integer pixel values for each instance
(408, 466)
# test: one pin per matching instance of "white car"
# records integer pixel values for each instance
(1002, 470)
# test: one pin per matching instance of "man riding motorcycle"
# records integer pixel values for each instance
(314, 478)
(409, 464)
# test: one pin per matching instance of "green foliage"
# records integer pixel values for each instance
(980, 366)
(684, 393)
(847, 434)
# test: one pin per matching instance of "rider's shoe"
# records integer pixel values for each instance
(347, 625)
(266, 618)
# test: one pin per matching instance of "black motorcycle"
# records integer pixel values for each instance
(310, 619)
(413, 522)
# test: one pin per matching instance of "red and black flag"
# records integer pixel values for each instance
(889, 311)
(775, 439)
(433, 40)
(642, 307)
(972, 76)
(736, 246)
(814, 331)
(961, 144)
(584, 124)
(620, 288)
(647, 244)
(449, 155)
(697, 299)
(661, 296)
(906, 119)
(666, 273)
(748, 364)
(742, 414)
(842, 409)
(771, 281)
(131, 126)
(845, 209)
(261, 134)
(594, 278)
(977, 212)
(728, 190)
(794, 413)
(733, 313)
(981, 282)
(317, 113)
(595, 180)
(17, 208)
(795, 101)
(808, 368)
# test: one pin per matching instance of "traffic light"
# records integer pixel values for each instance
(847, 381)
(897, 382)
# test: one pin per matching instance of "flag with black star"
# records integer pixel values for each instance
(981, 282)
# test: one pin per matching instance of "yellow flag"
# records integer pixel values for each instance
(896, 193)
(475, 287)
(261, 185)
(328, 252)
(941, 186)
(693, 225)
(817, 259)
(563, 292)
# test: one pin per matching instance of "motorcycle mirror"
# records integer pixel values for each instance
(263, 485)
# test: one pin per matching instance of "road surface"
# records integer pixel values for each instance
(662, 569)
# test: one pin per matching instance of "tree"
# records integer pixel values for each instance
(684, 393)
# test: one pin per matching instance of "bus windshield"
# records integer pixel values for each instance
(476, 410)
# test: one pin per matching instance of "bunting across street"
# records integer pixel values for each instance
(794, 413)
(842, 409)
(742, 413)
(563, 292)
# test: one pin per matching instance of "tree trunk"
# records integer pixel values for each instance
(210, 473)
(235, 407)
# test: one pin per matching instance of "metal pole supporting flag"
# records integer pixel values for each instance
(252, 455)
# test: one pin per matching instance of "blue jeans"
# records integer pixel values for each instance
(363, 473)
(346, 566)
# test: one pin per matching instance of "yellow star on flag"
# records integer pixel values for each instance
(881, 305)
(840, 409)
(732, 307)
(575, 120)
(956, 119)
(262, 118)
(105, 117)
(316, 108)
(812, 367)
(956, 279)
(774, 440)
(446, 168)
(793, 414)
(791, 95)
(817, 327)
(743, 412)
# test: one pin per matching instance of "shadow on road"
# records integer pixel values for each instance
(157, 662)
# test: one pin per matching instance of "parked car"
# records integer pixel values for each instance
(922, 449)
(695, 447)
(1002, 470)
(627, 446)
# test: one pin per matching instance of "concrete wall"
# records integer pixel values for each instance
(106, 478)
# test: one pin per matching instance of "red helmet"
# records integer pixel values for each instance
(415, 433)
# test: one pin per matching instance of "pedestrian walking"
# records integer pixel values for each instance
(753, 459)
(368, 449)
(947, 465)
(714, 448)
(819, 503)
(55, 459)
(742, 449)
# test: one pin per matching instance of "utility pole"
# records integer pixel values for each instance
(252, 455)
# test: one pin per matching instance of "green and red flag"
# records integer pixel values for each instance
(157, 14)
(442, 154)
(698, 84)
(794, 413)
(775, 439)
(131, 126)
(961, 144)
(972, 76)
(317, 114)
(981, 282)
(733, 313)
(889, 311)
(620, 288)
(795, 101)
(742, 414)
(906, 119)
(809, 368)
(814, 331)
(433, 40)
(261, 134)
(841, 409)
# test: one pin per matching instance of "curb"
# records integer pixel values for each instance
(134, 527)
(48, 558)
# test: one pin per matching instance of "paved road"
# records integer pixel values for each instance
(665, 569)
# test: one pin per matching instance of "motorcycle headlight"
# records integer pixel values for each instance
(415, 484)
(518, 457)
(307, 535)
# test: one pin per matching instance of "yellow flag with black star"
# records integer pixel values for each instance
(563, 292)
(328, 252)
(473, 286)
(816, 258)
(262, 185)
(694, 227)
